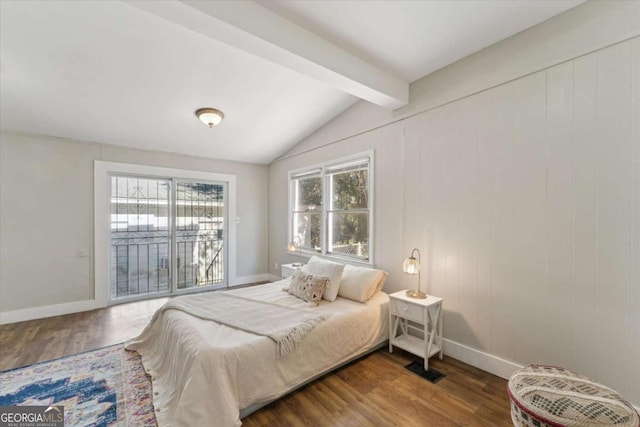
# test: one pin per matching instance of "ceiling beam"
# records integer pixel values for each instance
(248, 26)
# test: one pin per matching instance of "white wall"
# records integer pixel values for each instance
(46, 219)
(524, 197)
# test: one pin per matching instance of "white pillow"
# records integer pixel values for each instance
(381, 282)
(361, 283)
(321, 267)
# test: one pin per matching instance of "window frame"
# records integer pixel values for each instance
(325, 169)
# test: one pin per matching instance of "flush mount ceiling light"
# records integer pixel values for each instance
(210, 116)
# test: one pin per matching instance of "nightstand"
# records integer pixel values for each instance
(287, 270)
(422, 317)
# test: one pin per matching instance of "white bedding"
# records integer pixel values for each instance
(203, 372)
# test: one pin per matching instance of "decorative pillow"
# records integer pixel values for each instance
(332, 270)
(307, 287)
(361, 283)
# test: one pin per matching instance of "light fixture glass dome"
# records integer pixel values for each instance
(210, 116)
(292, 247)
(411, 266)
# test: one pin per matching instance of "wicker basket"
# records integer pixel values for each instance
(550, 396)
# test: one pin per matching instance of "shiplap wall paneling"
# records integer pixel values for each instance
(530, 156)
(502, 202)
(412, 136)
(466, 256)
(559, 213)
(421, 221)
(614, 216)
(389, 179)
(483, 223)
(584, 265)
(635, 284)
(442, 146)
(433, 185)
(451, 220)
(423, 121)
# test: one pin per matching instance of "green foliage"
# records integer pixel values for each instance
(310, 193)
(351, 191)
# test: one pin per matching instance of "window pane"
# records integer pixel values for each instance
(199, 234)
(308, 194)
(306, 226)
(349, 234)
(350, 190)
(140, 240)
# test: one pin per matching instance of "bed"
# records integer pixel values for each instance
(207, 373)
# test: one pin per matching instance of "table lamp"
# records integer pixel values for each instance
(411, 265)
(295, 246)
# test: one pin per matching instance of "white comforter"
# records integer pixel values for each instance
(203, 372)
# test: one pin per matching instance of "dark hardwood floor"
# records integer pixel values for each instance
(373, 391)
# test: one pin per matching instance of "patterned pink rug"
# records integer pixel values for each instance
(104, 387)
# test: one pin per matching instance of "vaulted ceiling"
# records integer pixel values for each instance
(133, 73)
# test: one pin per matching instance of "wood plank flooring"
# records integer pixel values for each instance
(373, 391)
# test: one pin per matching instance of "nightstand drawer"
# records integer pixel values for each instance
(407, 310)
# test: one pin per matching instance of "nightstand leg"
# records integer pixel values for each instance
(393, 324)
(427, 343)
(434, 326)
(440, 343)
(392, 332)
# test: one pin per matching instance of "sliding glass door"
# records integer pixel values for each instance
(166, 236)
(200, 223)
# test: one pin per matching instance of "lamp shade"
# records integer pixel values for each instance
(295, 245)
(292, 246)
(210, 116)
(411, 265)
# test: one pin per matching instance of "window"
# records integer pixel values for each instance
(331, 208)
(307, 208)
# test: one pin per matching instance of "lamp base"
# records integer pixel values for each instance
(416, 294)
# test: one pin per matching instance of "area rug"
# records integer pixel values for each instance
(104, 387)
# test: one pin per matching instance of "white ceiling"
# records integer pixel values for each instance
(133, 74)
(412, 38)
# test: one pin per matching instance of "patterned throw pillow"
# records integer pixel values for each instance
(308, 287)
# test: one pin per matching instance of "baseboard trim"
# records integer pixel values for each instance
(47, 311)
(273, 278)
(485, 361)
(244, 280)
(86, 305)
